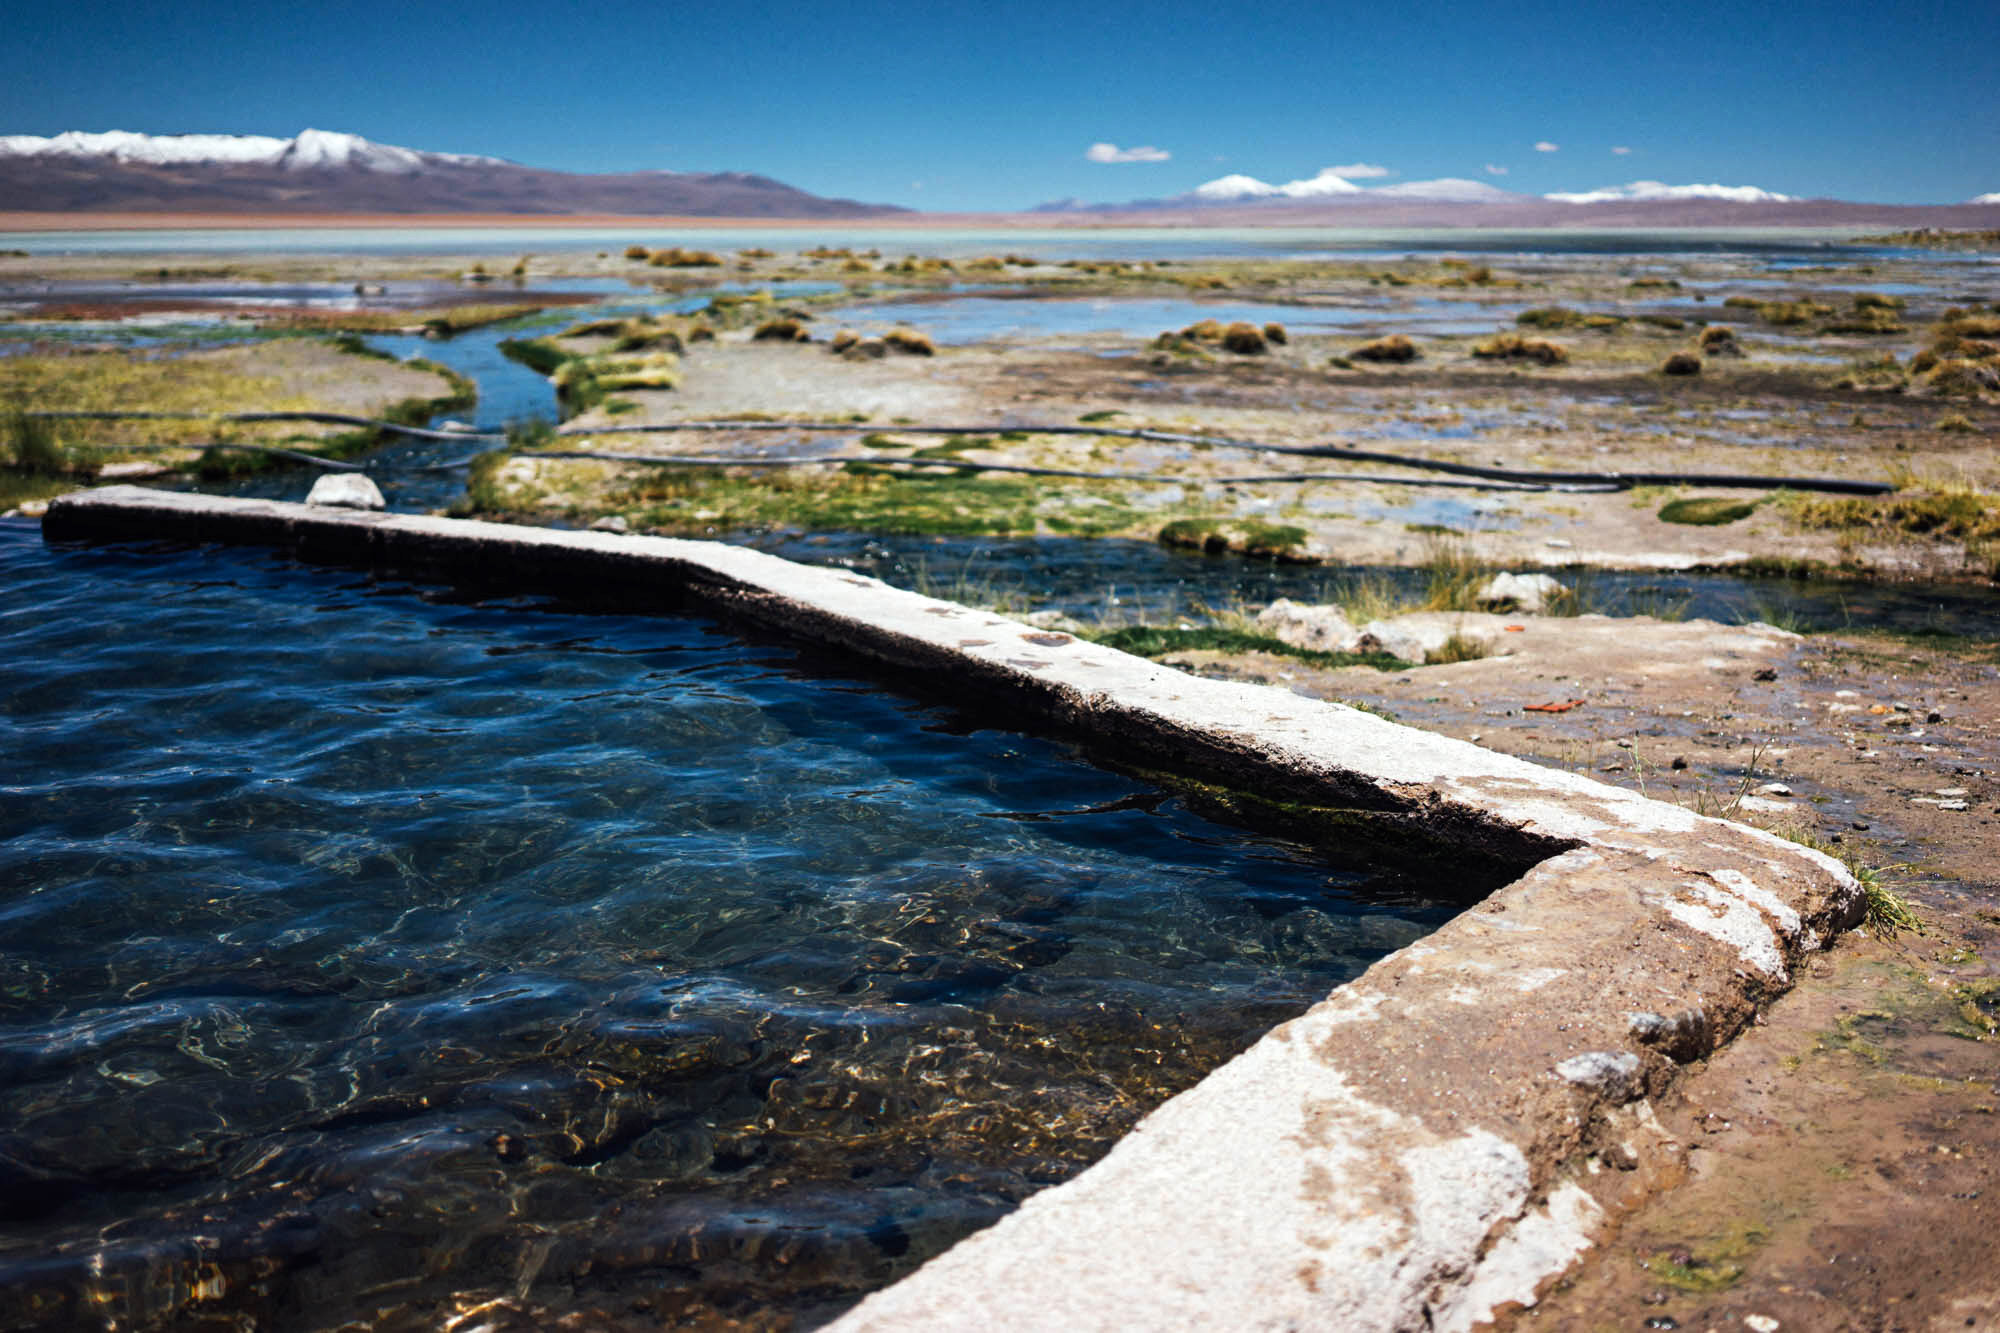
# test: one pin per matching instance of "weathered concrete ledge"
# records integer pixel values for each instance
(1436, 1139)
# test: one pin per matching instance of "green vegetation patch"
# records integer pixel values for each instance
(1250, 537)
(1706, 511)
(1954, 512)
(1159, 641)
(1713, 1266)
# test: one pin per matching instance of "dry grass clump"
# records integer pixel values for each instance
(675, 257)
(1719, 340)
(918, 266)
(1868, 316)
(701, 333)
(866, 349)
(1963, 358)
(583, 382)
(648, 338)
(1204, 331)
(87, 381)
(1244, 340)
(1681, 363)
(1274, 334)
(843, 340)
(1550, 317)
(1954, 511)
(783, 329)
(597, 328)
(1396, 347)
(1513, 347)
(1877, 301)
(909, 343)
(1643, 284)
(638, 252)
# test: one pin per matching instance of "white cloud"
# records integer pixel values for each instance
(1993, 198)
(1738, 194)
(1492, 170)
(1621, 151)
(1111, 152)
(1544, 146)
(1358, 171)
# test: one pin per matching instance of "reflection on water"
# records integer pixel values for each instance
(367, 951)
(1109, 579)
(975, 319)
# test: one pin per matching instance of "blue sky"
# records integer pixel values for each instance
(994, 107)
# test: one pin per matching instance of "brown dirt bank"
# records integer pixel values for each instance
(1844, 1163)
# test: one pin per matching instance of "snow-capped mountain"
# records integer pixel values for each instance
(1653, 190)
(1328, 182)
(323, 171)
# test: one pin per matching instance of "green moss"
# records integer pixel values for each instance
(1713, 1266)
(1251, 537)
(1157, 641)
(1706, 511)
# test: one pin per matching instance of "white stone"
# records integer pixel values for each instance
(346, 490)
(1528, 593)
(1319, 628)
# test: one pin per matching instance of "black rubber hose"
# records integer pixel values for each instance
(966, 465)
(1613, 480)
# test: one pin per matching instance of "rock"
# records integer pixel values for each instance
(611, 523)
(346, 490)
(1415, 637)
(1614, 1073)
(1530, 593)
(457, 427)
(1775, 789)
(1320, 628)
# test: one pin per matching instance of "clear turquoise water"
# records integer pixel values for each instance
(366, 949)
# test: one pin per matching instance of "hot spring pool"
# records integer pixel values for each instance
(368, 952)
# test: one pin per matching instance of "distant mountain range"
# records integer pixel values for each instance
(1332, 199)
(318, 171)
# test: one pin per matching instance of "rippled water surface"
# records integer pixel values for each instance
(367, 953)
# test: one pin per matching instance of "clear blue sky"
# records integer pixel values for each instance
(994, 107)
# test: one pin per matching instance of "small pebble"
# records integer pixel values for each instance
(1760, 1323)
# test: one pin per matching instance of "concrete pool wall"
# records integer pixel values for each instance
(1438, 1138)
